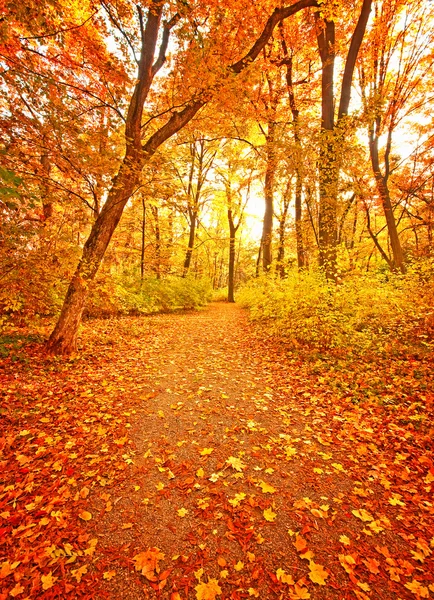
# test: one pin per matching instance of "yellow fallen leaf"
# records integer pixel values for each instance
(417, 588)
(48, 581)
(317, 573)
(208, 591)
(109, 575)
(127, 525)
(269, 515)
(85, 515)
(16, 590)
(363, 515)
(345, 540)
(235, 463)
(206, 451)
(182, 512)
(253, 592)
(200, 472)
(239, 566)
(284, 577)
(78, 573)
(267, 488)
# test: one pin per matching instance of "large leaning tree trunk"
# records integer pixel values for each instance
(64, 337)
(331, 140)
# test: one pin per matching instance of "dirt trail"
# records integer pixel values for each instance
(247, 476)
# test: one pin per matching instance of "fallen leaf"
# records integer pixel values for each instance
(208, 591)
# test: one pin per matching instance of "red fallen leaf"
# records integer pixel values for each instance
(372, 565)
(300, 544)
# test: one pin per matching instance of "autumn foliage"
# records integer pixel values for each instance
(158, 155)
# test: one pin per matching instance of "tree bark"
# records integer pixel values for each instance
(381, 181)
(267, 228)
(232, 234)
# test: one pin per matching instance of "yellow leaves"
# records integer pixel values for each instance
(299, 593)
(338, 467)
(269, 515)
(16, 590)
(395, 500)
(200, 472)
(78, 573)
(348, 562)
(317, 573)
(363, 515)
(345, 540)
(6, 568)
(206, 451)
(127, 525)
(147, 563)
(85, 515)
(236, 501)
(208, 591)
(253, 592)
(48, 581)
(182, 512)
(235, 463)
(109, 575)
(266, 487)
(290, 451)
(239, 566)
(417, 588)
(284, 577)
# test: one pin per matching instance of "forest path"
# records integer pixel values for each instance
(190, 434)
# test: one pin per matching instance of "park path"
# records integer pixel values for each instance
(204, 460)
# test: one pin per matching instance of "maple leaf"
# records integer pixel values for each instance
(269, 515)
(239, 566)
(147, 563)
(208, 591)
(182, 512)
(267, 488)
(345, 540)
(78, 573)
(300, 544)
(48, 581)
(284, 577)
(206, 451)
(109, 575)
(363, 515)
(253, 592)
(372, 565)
(417, 588)
(299, 593)
(317, 573)
(236, 463)
(16, 590)
(238, 498)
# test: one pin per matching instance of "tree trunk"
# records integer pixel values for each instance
(63, 340)
(231, 278)
(383, 191)
(267, 229)
(191, 240)
(328, 172)
(157, 267)
(142, 248)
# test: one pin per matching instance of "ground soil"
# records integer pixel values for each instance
(186, 448)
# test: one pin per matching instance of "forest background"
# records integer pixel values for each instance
(141, 144)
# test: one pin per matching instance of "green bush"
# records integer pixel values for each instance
(363, 312)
